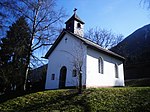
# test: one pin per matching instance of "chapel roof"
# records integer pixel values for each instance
(75, 17)
(89, 44)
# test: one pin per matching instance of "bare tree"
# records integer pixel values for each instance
(43, 19)
(145, 3)
(78, 59)
(104, 38)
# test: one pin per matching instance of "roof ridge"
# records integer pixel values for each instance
(95, 44)
(86, 41)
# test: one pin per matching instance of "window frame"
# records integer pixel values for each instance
(78, 25)
(74, 73)
(53, 76)
(116, 71)
(100, 65)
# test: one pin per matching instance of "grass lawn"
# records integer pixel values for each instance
(128, 99)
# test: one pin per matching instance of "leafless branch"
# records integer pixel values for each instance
(41, 46)
(104, 38)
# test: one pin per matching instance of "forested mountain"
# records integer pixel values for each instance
(135, 45)
(136, 49)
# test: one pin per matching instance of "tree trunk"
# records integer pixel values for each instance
(80, 81)
(27, 66)
(26, 77)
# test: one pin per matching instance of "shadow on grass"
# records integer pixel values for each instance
(139, 100)
(60, 102)
(15, 94)
(127, 99)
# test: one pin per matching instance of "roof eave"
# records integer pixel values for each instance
(75, 17)
(89, 45)
(55, 44)
(105, 52)
(76, 20)
(98, 48)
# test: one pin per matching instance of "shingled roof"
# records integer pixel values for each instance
(87, 42)
(75, 17)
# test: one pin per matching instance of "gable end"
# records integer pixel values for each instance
(55, 44)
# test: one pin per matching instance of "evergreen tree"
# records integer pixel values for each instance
(14, 53)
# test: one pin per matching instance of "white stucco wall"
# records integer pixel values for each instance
(63, 55)
(94, 78)
(78, 31)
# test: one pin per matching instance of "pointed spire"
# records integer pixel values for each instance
(75, 24)
(75, 17)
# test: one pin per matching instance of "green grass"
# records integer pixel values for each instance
(135, 99)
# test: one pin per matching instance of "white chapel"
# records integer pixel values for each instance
(71, 53)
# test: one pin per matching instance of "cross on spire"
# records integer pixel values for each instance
(75, 9)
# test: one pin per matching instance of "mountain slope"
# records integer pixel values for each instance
(135, 44)
(136, 49)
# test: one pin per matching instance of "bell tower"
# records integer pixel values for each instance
(75, 24)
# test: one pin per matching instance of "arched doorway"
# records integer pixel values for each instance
(62, 77)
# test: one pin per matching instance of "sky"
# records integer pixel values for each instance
(119, 16)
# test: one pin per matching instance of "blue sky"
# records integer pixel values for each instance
(120, 16)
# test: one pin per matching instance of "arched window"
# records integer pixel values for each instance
(100, 65)
(78, 25)
(69, 26)
(74, 73)
(116, 71)
(53, 77)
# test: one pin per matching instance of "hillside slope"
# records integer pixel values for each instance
(92, 100)
(145, 82)
(136, 49)
(135, 44)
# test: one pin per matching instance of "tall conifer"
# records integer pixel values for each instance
(14, 53)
